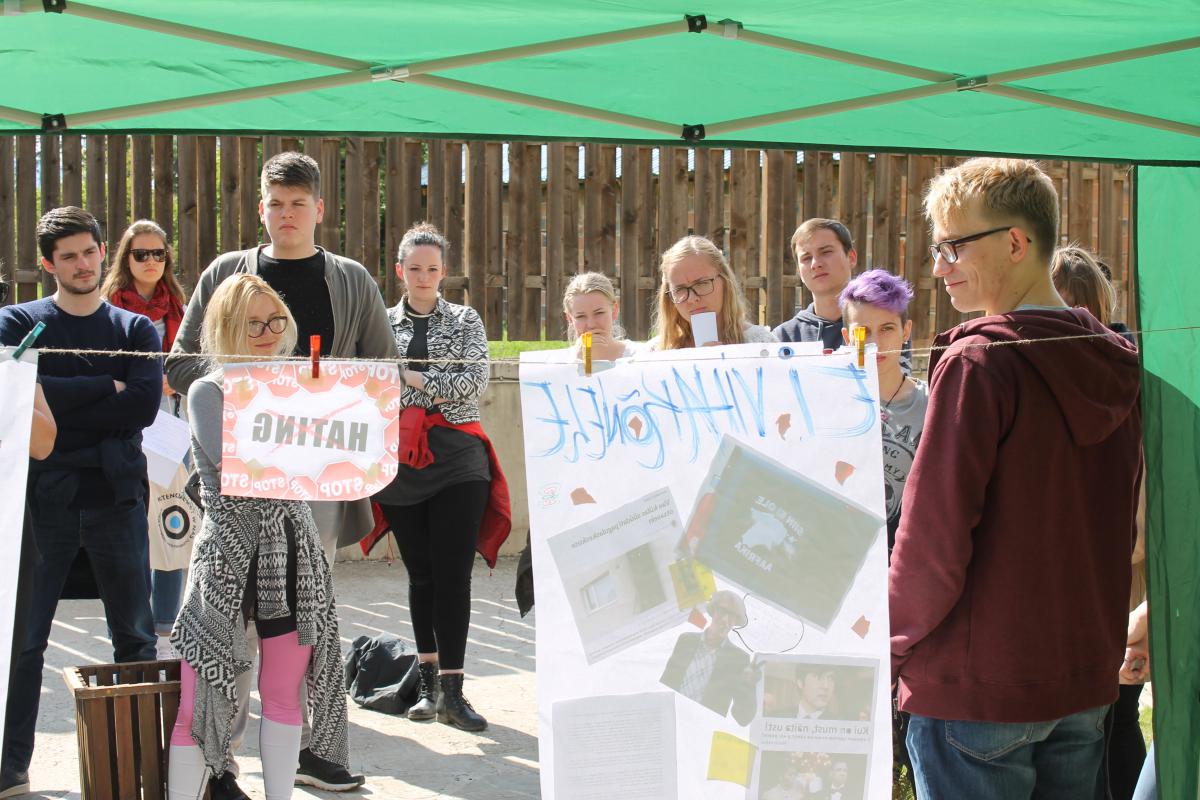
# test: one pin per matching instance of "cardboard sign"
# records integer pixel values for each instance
(290, 437)
(711, 577)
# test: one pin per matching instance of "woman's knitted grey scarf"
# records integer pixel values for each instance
(210, 630)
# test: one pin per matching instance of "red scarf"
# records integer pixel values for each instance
(414, 451)
(161, 305)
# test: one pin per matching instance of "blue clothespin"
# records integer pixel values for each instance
(29, 339)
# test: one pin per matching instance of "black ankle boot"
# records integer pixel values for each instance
(427, 692)
(454, 709)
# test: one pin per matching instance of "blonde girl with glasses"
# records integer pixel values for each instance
(253, 560)
(696, 278)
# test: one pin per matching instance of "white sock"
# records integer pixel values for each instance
(187, 774)
(279, 749)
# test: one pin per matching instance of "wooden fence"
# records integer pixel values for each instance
(523, 217)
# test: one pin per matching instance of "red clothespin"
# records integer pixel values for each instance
(314, 354)
(860, 344)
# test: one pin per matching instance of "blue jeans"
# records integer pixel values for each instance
(118, 547)
(166, 595)
(1056, 760)
(1147, 785)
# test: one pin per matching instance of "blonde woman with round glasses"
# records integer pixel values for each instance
(696, 278)
(253, 560)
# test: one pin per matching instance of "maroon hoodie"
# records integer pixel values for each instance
(1009, 584)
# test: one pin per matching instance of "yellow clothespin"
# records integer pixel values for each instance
(586, 340)
(860, 344)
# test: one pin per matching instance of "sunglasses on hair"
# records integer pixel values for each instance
(141, 256)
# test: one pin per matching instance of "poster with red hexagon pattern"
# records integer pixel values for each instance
(288, 436)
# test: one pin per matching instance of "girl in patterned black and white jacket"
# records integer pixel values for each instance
(449, 498)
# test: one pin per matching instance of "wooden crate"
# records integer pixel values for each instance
(124, 714)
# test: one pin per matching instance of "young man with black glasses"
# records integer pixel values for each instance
(329, 295)
(1010, 578)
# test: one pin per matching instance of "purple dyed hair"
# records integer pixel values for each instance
(879, 288)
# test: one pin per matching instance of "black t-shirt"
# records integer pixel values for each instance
(301, 284)
(418, 345)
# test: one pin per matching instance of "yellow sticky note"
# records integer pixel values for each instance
(730, 759)
(693, 582)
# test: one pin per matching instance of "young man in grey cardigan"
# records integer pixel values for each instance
(329, 295)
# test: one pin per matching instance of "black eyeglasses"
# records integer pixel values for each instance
(700, 288)
(255, 328)
(949, 248)
(141, 256)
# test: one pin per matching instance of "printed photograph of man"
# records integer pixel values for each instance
(817, 690)
(709, 668)
(785, 775)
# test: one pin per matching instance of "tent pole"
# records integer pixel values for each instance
(1026, 73)
(1030, 96)
(504, 96)
(86, 11)
(23, 117)
(838, 106)
(816, 50)
(89, 118)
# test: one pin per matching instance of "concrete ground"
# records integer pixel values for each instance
(402, 760)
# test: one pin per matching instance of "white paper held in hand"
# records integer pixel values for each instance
(704, 328)
(165, 444)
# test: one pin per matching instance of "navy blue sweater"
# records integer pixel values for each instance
(95, 422)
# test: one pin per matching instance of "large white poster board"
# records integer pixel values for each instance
(17, 379)
(711, 575)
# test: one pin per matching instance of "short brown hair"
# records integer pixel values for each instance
(292, 169)
(1078, 278)
(1009, 188)
(811, 226)
(59, 223)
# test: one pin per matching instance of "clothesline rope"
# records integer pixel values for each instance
(463, 361)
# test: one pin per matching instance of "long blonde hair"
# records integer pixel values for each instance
(588, 283)
(1077, 275)
(223, 332)
(672, 330)
(119, 274)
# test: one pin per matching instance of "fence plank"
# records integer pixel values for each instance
(632, 312)
(474, 226)
(531, 328)
(710, 195)
(778, 203)
(353, 202)
(649, 279)
(515, 247)
(231, 180)
(393, 216)
(206, 199)
(188, 251)
(672, 195)
(143, 177)
(271, 146)
(96, 178)
(72, 170)
(744, 217)
(453, 217)
(852, 201)
(371, 165)
(493, 212)
(331, 187)
(1080, 206)
(164, 183)
(118, 189)
(917, 267)
(27, 217)
(435, 183)
(825, 182)
(556, 232)
(600, 209)
(414, 197)
(50, 171)
(249, 191)
(8, 226)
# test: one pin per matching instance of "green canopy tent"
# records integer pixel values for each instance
(1072, 79)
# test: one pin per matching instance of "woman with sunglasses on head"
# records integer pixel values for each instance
(449, 498)
(141, 279)
(253, 559)
(696, 278)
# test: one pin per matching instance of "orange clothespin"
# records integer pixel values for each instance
(314, 354)
(860, 344)
(586, 340)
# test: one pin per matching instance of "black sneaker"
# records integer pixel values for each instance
(14, 784)
(316, 771)
(224, 787)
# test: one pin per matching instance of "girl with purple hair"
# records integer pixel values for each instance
(878, 301)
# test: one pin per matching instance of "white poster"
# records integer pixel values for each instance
(17, 380)
(711, 574)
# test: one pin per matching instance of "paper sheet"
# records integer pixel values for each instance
(165, 444)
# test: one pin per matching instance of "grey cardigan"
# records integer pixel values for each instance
(360, 330)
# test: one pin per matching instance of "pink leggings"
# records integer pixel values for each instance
(284, 662)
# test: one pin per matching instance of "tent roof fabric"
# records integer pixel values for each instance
(323, 66)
